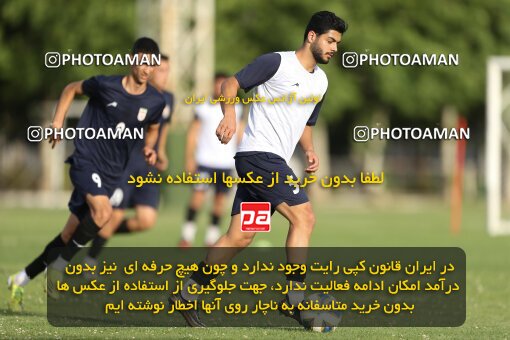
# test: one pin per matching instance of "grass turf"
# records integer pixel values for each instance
(25, 232)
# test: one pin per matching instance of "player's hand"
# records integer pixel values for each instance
(55, 139)
(226, 128)
(162, 162)
(150, 155)
(313, 161)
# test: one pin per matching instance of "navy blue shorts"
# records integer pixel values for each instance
(128, 195)
(266, 164)
(206, 172)
(86, 180)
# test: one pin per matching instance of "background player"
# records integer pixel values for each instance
(268, 143)
(144, 199)
(204, 155)
(125, 102)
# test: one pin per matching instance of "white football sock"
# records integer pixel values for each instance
(21, 279)
(189, 229)
(212, 235)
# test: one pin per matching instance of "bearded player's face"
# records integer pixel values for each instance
(324, 46)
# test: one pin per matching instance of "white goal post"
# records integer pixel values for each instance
(498, 135)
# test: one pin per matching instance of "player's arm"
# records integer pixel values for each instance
(256, 73)
(162, 162)
(191, 145)
(306, 143)
(150, 141)
(306, 140)
(66, 98)
(227, 126)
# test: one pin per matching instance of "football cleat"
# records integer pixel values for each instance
(15, 303)
(191, 316)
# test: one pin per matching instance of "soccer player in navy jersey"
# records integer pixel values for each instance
(271, 135)
(144, 199)
(115, 102)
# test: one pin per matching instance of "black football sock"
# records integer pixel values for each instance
(191, 214)
(295, 279)
(215, 220)
(86, 231)
(123, 227)
(97, 246)
(40, 263)
(197, 278)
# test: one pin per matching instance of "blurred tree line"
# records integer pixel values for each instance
(29, 29)
(474, 30)
(244, 30)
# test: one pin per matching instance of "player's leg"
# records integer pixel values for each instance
(189, 228)
(100, 213)
(102, 237)
(90, 202)
(223, 251)
(17, 281)
(301, 223)
(213, 231)
(292, 202)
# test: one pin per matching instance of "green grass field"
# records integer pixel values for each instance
(25, 232)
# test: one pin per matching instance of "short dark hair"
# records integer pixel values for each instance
(323, 21)
(145, 45)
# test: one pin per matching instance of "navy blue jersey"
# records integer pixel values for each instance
(110, 106)
(166, 117)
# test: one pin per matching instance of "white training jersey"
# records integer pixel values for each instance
(290, 98)
(210, 152)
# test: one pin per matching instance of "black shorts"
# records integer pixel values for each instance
(86, 180)
(266, 165)
(207, 172)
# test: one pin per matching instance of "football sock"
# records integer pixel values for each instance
(97, 245)
(38, 265)
(21, 279)
(212, 235)
(295, 296)
(186, 294)
(123, 227)
(191, 214)
(188, 232)
(215, 219)
(295, 279)
(197, 278)
(86, 231)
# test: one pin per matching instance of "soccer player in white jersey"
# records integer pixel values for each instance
(205, 156)
(271, 135)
